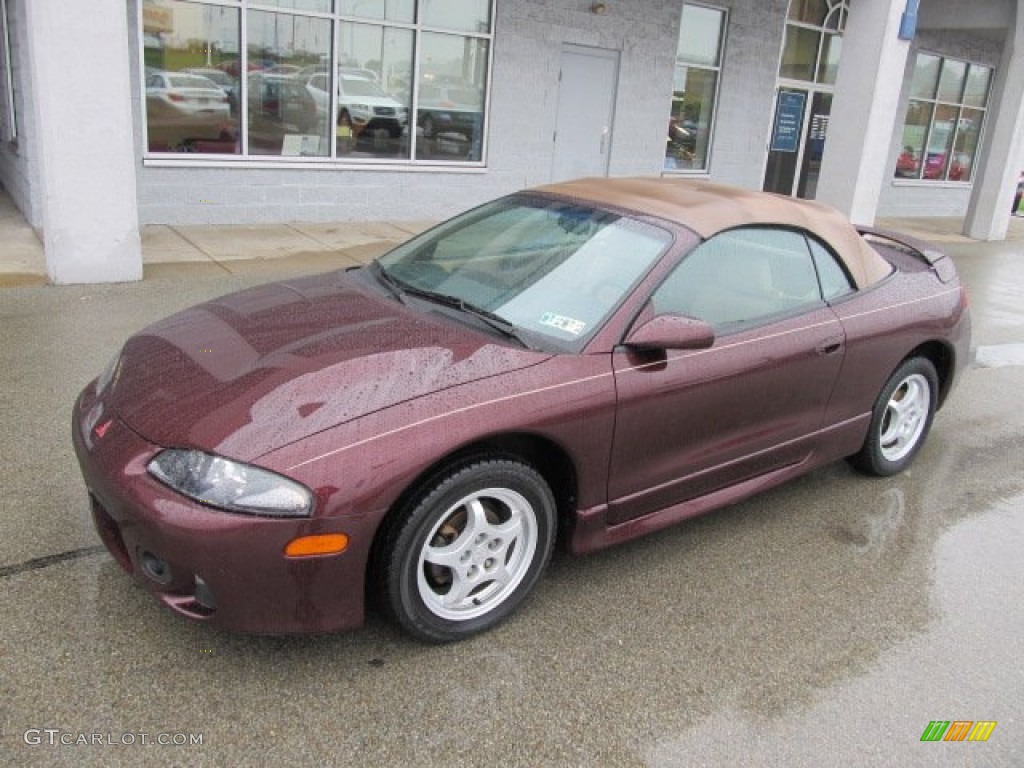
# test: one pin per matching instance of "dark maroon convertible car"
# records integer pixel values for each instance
(588, 362)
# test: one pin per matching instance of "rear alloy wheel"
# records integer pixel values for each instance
(901, 419)
(471, 550)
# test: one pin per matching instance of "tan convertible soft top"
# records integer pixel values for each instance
(709, 208)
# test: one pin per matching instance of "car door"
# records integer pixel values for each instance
(692, 422)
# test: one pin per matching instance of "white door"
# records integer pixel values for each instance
(586, 108)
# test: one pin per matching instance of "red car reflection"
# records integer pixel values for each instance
(908, 164)
(585, 362)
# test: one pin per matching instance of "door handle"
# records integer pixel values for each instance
(829, 346)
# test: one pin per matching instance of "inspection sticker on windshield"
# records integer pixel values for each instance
(562, 323)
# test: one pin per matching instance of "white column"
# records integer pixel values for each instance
(78, 59)
(998, 163)
(864, 109)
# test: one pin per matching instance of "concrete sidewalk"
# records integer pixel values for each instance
(246, 249)
(235, 250)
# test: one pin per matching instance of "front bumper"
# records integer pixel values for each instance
(371, 123)
(206, 564)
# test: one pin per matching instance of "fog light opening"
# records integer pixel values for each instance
(155, 568)
(319, 544)
(204, 595)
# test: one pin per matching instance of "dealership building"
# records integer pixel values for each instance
(117, 114)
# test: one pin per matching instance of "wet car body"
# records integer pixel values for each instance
(368, 400)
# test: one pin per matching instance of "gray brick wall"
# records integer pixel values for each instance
(747, 94)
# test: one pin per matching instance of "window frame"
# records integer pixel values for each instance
(823, 31)
(9, 121)
(334, 161)
(934, 103)
(718, 69)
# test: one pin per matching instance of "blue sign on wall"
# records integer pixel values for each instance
(789, 118)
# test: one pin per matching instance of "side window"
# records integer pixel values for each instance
(834, 280)
(741, 276)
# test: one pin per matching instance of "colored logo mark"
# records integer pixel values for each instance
(958, 730)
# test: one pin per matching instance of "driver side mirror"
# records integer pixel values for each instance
(671, 332)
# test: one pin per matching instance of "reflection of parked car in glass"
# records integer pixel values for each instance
(279, 106)
(908, 163)
(935, 165)
(226, 82)
(448, 109)
(681, 147)
(318, 84)
(182, 109)
(1020, 193)
(365, 106)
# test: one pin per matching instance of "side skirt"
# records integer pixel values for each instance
(592, 532)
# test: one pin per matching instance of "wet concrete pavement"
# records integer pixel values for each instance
(824, 623)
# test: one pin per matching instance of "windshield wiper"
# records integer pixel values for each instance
(492, 320)
(400, 289)
(394, 286)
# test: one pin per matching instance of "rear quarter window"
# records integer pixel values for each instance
(831, 275)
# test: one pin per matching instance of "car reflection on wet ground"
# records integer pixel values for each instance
(826, 622)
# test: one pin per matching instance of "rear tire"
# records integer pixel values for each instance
(428, 127)
(469, 552)
(900, 420)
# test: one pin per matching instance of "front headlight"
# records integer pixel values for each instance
(230, 485)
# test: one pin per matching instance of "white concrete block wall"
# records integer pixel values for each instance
(19, 171)
(932, 198)
(747, 93)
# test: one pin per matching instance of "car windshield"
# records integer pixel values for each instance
(357, 86)
(464, 96)
(552, 269)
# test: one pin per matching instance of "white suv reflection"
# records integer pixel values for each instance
(362, 104)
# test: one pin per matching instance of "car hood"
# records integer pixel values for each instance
(253, 371)
(372, 101)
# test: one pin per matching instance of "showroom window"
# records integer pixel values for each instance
(814, 40)
(695, 88)
(352, 81)
(945, 113)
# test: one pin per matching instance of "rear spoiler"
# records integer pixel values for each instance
(926, 252)
(919, 248)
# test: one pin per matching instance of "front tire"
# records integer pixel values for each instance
(346, 140)
(470, 551)
(901, 419)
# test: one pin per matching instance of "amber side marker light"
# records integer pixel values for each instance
(320, 544)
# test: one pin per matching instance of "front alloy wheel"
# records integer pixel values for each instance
(471, 550)
(901, 418)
